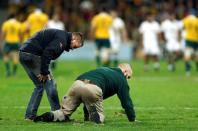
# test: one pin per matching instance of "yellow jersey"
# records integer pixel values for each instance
(11, 30)
(191, 28)
(25, 31)
(101, 24)
(37, 21)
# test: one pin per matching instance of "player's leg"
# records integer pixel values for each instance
(98, 49)
(115, 47)
(176, 53)
(169, 51)
(105, 52)
(187, 57)
(171, 56)
(6, 51)
(155, 52)
(196, 58)
(105, 56)
(115, 59)
(146, 56)
(146, 62)
(15, 59)
(156, 62)
(7, 65)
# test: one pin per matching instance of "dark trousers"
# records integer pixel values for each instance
(32, 65)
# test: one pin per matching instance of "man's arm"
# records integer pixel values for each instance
(126, 102)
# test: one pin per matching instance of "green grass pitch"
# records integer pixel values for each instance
(163, 100)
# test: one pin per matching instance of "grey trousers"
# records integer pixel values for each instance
(32, 65)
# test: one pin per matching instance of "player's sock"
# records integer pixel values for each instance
(7, 66)
(98, 61)
(187, 66)
(14, 69)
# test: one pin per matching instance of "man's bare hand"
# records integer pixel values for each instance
(43, 78)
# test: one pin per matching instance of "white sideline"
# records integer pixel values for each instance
(115, 108)
(164, 78)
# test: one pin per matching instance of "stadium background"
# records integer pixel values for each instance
(77, 14)
(163, 100)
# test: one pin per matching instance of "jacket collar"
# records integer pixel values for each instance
(68, 41)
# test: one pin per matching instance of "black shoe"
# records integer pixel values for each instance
(46, 117)
(94, 116)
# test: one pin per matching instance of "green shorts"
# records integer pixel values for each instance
(192, 44)
(100, 43)
(9, 47)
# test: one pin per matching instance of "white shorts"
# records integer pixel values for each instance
(173, 46)
(152, 49)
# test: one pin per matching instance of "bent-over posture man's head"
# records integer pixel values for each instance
(91, 88)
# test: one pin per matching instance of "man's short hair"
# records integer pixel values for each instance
(80, 35)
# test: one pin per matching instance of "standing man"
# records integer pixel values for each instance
(191, 40)
(118, 35)
(100, 26)
(150, 31)
(35, 56)
(11, 35)
(91, 88)
(171, 29)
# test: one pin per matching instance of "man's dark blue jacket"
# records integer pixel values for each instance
(49, 44)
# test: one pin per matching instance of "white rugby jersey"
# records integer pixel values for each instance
(115, 34)
(56, 25)
(171, 29)
(150, 31)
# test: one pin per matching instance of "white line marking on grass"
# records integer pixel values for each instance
(115, 108)
(164, 78)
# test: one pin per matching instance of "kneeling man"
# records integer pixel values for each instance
(91, 88)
